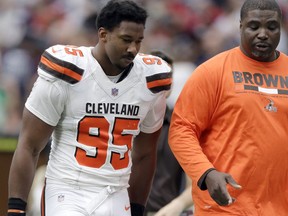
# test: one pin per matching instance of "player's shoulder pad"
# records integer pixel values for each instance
(61, 62)
(157, 72)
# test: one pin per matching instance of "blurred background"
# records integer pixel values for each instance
(189, 31)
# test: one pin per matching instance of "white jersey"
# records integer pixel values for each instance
(95, 119)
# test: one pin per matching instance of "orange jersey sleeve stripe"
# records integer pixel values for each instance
(61, 69)
(159, 82)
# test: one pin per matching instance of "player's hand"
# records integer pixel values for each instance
(171, 209)
(216, 184)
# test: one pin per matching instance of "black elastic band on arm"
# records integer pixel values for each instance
(16, 207)
(201, 182)
(137, 209)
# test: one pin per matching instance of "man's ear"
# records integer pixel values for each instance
(102, 34)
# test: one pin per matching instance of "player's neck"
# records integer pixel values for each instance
(108, 68)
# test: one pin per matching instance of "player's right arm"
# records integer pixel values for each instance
(33, 138)
(41, 113)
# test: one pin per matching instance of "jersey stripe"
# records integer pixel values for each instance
(17, 211)
(43, 205)
(61, 69)
(159, 82)
(265, 90)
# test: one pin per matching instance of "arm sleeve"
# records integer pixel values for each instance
(46, 100)
(155, 116)
(190, 119)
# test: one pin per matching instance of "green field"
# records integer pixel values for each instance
(8, 144)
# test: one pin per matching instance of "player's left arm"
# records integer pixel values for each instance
(158, 77)
(144, 162)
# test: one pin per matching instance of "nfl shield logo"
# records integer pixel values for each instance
(114, 91)
(61, 198)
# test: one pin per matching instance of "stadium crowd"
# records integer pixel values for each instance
(190, 31)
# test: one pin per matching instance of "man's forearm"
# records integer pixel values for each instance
(141, 179)
(21, 174)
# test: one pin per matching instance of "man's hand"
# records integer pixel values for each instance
(216, 185)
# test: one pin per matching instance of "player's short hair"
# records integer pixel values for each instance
(117, 11)
(259, 5)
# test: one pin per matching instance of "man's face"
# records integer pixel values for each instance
(123, 43)
(260, 34)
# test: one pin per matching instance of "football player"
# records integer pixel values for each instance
(104, 107)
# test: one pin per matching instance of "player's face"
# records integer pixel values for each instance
(123, 43)
(260, 34)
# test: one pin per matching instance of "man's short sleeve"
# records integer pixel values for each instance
(155, 116)
(46, 101)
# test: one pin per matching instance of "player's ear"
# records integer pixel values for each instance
(102, 34)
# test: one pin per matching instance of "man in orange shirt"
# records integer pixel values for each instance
(229, 127)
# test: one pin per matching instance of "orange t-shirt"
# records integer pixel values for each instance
(232, 115)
